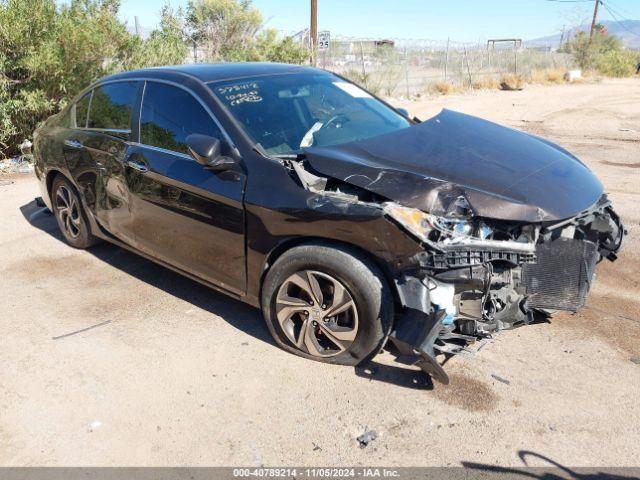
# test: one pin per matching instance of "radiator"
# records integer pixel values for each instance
(561, 278)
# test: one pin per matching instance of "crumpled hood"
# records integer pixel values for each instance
(502, 173)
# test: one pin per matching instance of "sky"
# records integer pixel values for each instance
(460, 20)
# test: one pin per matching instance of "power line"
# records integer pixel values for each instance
(619, 21)
(620, 11)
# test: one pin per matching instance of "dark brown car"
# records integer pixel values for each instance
(348, 223)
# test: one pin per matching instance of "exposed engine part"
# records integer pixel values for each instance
(331, 188)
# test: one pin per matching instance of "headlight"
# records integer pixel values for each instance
(461, 231)
(423, 224)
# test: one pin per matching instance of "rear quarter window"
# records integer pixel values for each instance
(79, 112)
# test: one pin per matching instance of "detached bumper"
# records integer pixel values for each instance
(414, 336)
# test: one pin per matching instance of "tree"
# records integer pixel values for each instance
(270, 48)
(232, 30)
(587, 52)
(224, 28)
(49, 52)
(604, 53)
(165, 46)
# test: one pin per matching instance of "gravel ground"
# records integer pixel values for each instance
(109, 359)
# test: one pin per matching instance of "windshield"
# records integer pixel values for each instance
(286, 113)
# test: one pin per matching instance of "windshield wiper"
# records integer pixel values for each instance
(290, 156)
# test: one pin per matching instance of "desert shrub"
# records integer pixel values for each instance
(441, 88)
(603, 53)
(365, 79)
(486, 83)
(537, 76)
(165, 46)
(355, 75)
(390, 71)
(555, 75)
(617, 63)
(512, 82)
(585, 50)
(548, 75)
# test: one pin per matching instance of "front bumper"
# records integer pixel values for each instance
(455, 297)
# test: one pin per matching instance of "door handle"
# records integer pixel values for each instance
(139, 166)
(73, 143)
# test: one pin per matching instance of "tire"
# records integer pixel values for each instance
(70, 215)
(357, 330)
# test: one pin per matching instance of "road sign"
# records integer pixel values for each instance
(324, 40)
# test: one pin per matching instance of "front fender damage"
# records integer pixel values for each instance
(459, 289)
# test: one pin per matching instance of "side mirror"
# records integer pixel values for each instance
(206, 151)
(403, 111)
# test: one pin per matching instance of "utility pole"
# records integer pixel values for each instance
(595, 16)
(314, 30)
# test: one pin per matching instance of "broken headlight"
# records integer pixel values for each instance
(429, 227)
(458, 230)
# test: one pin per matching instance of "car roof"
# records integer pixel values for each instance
(210, 72)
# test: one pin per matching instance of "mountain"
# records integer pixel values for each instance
(627, 30)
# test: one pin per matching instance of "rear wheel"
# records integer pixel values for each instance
(69, 214)
(327, 303)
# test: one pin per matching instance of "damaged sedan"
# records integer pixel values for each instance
(348, 223)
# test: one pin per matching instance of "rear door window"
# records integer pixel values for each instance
(112, 106)
(169, 115)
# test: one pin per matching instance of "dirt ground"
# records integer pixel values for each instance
(108, 359)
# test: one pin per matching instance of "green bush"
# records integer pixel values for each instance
(603, 53)
(231, 30)
(357, 76)
(617, 63)
(50, 50)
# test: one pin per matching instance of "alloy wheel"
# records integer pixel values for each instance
(68, 210)
(317, 313)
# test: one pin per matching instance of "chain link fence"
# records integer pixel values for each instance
(406, 68)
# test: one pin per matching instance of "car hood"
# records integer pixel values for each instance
(502, 173)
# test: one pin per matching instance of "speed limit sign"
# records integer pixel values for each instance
(324, 40)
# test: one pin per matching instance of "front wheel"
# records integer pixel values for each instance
(327, 303)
